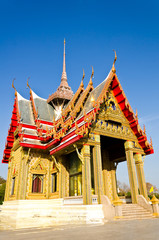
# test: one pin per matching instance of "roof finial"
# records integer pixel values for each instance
(82, 85)
(144, 129)
(90, 81)
(136, 114)
(151, 145)
(28, 83)
(14, 87)
(64, 76)
(113, 67)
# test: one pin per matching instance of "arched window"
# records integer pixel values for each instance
(37, 183)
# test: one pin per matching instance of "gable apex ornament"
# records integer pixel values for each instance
(113, 67)
(14, 86)
(90, 81)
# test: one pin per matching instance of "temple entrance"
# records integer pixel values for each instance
(114, 148)
(113, 152)
(75, 175)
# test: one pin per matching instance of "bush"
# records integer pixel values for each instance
(2, 192)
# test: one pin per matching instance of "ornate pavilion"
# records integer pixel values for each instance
(69, 145)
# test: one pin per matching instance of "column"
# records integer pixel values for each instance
(107, 176)
(86, 175)
(140, 174)
(8, 183)
(61, 178)
(113, 176)
(97, 161)
(131, 170)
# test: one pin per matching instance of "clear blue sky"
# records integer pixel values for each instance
(31, 44)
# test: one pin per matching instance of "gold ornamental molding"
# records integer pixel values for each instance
(80, 155)
(58, 166)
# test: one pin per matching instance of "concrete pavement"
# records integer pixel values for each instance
(116, 230)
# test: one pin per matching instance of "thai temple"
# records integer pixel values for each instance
(63, 152)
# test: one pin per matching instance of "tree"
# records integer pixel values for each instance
(2, 192)
(123, 188)
(155, 190)
(2, 180)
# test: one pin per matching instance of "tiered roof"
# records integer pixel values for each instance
(40, 126)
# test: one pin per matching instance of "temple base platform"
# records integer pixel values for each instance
(45, 213)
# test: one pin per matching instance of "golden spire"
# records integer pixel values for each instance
(14, 87)
(90, 81)
(82, 85)
(64, 75)
(113, 67)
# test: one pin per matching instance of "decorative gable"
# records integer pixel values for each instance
(38, 167)
(112, 122)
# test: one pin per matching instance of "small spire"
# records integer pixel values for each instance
(90, 81)
(82, 85)
(14, 87)
(113, 67)
(64, 75)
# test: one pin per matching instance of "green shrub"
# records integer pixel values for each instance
(2, 192)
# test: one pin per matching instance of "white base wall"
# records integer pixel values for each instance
(51, 212)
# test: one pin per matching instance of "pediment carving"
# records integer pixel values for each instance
(110, 110)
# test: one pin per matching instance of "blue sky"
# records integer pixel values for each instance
(31, 44)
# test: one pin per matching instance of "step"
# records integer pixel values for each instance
(134, 211)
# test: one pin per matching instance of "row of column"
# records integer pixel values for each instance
(132, 161)
(105, 179)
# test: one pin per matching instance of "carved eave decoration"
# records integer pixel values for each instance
(57, 164)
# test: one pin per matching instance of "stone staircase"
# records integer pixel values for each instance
(134, 211)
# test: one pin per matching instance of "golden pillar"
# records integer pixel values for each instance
(27, 162)
(97, 161)
(131, 170)
(140, 174)
(86, 175)
(113, 176)
(62, 178)
(8, 183)
(19, 154)
(107, 175)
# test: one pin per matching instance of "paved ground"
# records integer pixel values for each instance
(116, 230)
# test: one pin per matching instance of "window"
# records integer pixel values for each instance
(37, 183)
(13, 186)
(54, 182)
